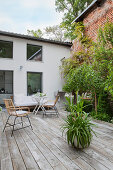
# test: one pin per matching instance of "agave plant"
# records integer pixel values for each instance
(78, 129)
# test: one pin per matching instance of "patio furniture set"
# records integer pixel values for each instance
(21, 108)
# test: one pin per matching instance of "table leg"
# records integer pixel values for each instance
(38, 109)
(34, 111)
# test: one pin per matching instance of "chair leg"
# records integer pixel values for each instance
(13, 126)
(55, 108)
(44, 110)
(29, 121)
(22, 122)
(6, 122)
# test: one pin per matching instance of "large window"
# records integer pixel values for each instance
(6, 82)
(6, 49)
(34, 52)
(34, 83)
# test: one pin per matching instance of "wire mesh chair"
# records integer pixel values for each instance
(16, 112)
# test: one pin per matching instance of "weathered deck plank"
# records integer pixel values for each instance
(5, 156)
(52, 159)
(16, 157)
(37, 154)
(64, 159)
(46, 148)
(53, 127)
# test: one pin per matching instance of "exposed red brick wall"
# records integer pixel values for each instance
(76, 45)
(95, 19)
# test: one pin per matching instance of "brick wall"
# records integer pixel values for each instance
(95, 19)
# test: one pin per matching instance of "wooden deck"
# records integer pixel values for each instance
(45, 148)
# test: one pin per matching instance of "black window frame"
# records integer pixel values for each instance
(41, 52)
(40, 79)
(11, 49)
(12, 81)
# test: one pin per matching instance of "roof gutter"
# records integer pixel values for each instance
(15, 35)
(81, 16)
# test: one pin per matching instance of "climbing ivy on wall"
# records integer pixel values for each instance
(91, 67)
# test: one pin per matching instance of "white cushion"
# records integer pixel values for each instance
(22, 100)
(19, 112)
(18, 98)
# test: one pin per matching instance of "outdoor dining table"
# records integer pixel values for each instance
(40, 102)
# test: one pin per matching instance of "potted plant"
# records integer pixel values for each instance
(78, 127)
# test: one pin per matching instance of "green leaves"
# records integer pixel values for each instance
(105, 35)
(91, 68)
(83, 78)
(71, 9)
(78, 126)
(38, 33)
(104, 56)
(109, 80)
(55, 32)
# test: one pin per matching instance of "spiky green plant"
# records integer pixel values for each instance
(78, 126)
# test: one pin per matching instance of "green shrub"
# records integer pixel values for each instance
(101, 116)
(87, 106)
(103, 104)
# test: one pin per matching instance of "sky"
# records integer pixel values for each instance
(19, 15)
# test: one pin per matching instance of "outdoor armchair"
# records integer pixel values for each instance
(51, 105)
(16, 112)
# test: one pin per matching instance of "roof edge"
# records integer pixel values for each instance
(81, 16)
(22, 36)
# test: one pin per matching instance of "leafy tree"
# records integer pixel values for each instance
(104, 55)
(38, 33)
(91, 68)
(84, 79)
(85, 54)
(109, 81)
(51, 32)
(55, 32)
(71, 9)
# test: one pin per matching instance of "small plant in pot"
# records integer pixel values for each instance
(78, 129)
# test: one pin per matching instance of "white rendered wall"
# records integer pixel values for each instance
(49, 66)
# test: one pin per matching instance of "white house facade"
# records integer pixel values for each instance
(29, 64)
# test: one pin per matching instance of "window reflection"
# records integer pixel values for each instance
(6, 49)
(6, 82)
(34, 52)
(34, 83)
